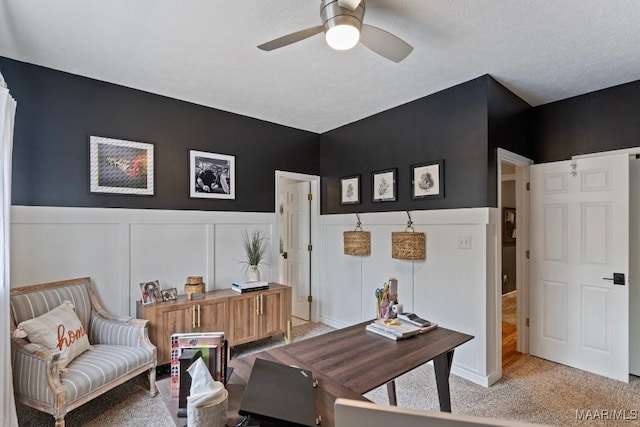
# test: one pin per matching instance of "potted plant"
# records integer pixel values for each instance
(255, 247)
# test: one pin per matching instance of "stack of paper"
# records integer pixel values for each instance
(397, 330)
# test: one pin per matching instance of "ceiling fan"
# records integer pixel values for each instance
(342, 23)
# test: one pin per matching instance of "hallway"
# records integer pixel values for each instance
(510, 354)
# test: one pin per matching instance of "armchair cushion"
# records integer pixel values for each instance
(59, 329)
(101, 366)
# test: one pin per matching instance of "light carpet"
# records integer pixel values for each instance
(129, 405)
(126, 405)
(532, 390)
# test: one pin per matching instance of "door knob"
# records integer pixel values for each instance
(284, 255)
(618, 279)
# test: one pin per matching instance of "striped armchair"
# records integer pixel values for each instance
(120, 350)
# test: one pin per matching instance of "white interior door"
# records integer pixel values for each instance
(579, 239)
(295, 255)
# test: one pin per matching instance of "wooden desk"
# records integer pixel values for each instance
(350, 362)
(362, 360)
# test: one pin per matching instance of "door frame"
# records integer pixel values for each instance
(522, 246)
(314, 279)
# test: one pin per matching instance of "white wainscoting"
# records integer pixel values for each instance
(453, 287)
(120, 248)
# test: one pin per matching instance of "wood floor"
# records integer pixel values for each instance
(509, 342)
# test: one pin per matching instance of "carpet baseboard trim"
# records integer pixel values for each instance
(474, 377)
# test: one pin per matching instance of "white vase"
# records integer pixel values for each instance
(254, 273)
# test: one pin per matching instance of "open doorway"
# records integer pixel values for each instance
(513, 286)
(297, 240)
(509, 295)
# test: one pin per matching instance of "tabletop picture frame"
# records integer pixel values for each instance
(427, 180)
(151, 292)
(350, 190)
(170, 294)
(384, 185)
(118, 166)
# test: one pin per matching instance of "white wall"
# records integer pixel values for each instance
(450, 287)
(120, 248)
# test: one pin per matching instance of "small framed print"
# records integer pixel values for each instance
(170, 294)
(384, 185)
(427, 180)
(117, 166)
(151, 292)
(350, 190)
(508, 226)
(213, 176)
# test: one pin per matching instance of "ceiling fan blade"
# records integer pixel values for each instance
(349, 4)
(291, 38)
(384, 43)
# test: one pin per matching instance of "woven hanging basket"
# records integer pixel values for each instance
(408, 245)
(357, 242)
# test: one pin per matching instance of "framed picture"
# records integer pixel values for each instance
(213, 176)
(383, 185)
(151, 292)
(427, 180)
(350, 190)
(120, 167)
(508, 226)
(170, 294)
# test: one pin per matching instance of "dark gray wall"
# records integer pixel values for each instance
(509, 119)
(449, 125)
(508, 251)
(57, 112)
(599, 121)
(462, 125)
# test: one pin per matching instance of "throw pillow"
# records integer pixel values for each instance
(58, 329)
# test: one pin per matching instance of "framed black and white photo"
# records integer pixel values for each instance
(118, 166)
(170, 294)
(350, 190)
(213, 176)
(384, 185)
(427, 180)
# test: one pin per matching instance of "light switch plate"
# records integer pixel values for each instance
(464, 242)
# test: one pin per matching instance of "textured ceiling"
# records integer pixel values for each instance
(204, 51)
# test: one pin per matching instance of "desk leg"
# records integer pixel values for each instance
(442, 367)
(391, 391)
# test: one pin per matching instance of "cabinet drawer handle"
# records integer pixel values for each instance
(261, 304)
(257, 304)
(199, 325)
(193, 316)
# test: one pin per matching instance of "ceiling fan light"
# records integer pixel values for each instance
(342, 37)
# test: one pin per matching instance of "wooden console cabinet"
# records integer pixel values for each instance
(242, 317)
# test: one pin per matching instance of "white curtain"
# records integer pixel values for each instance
(7, 114)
